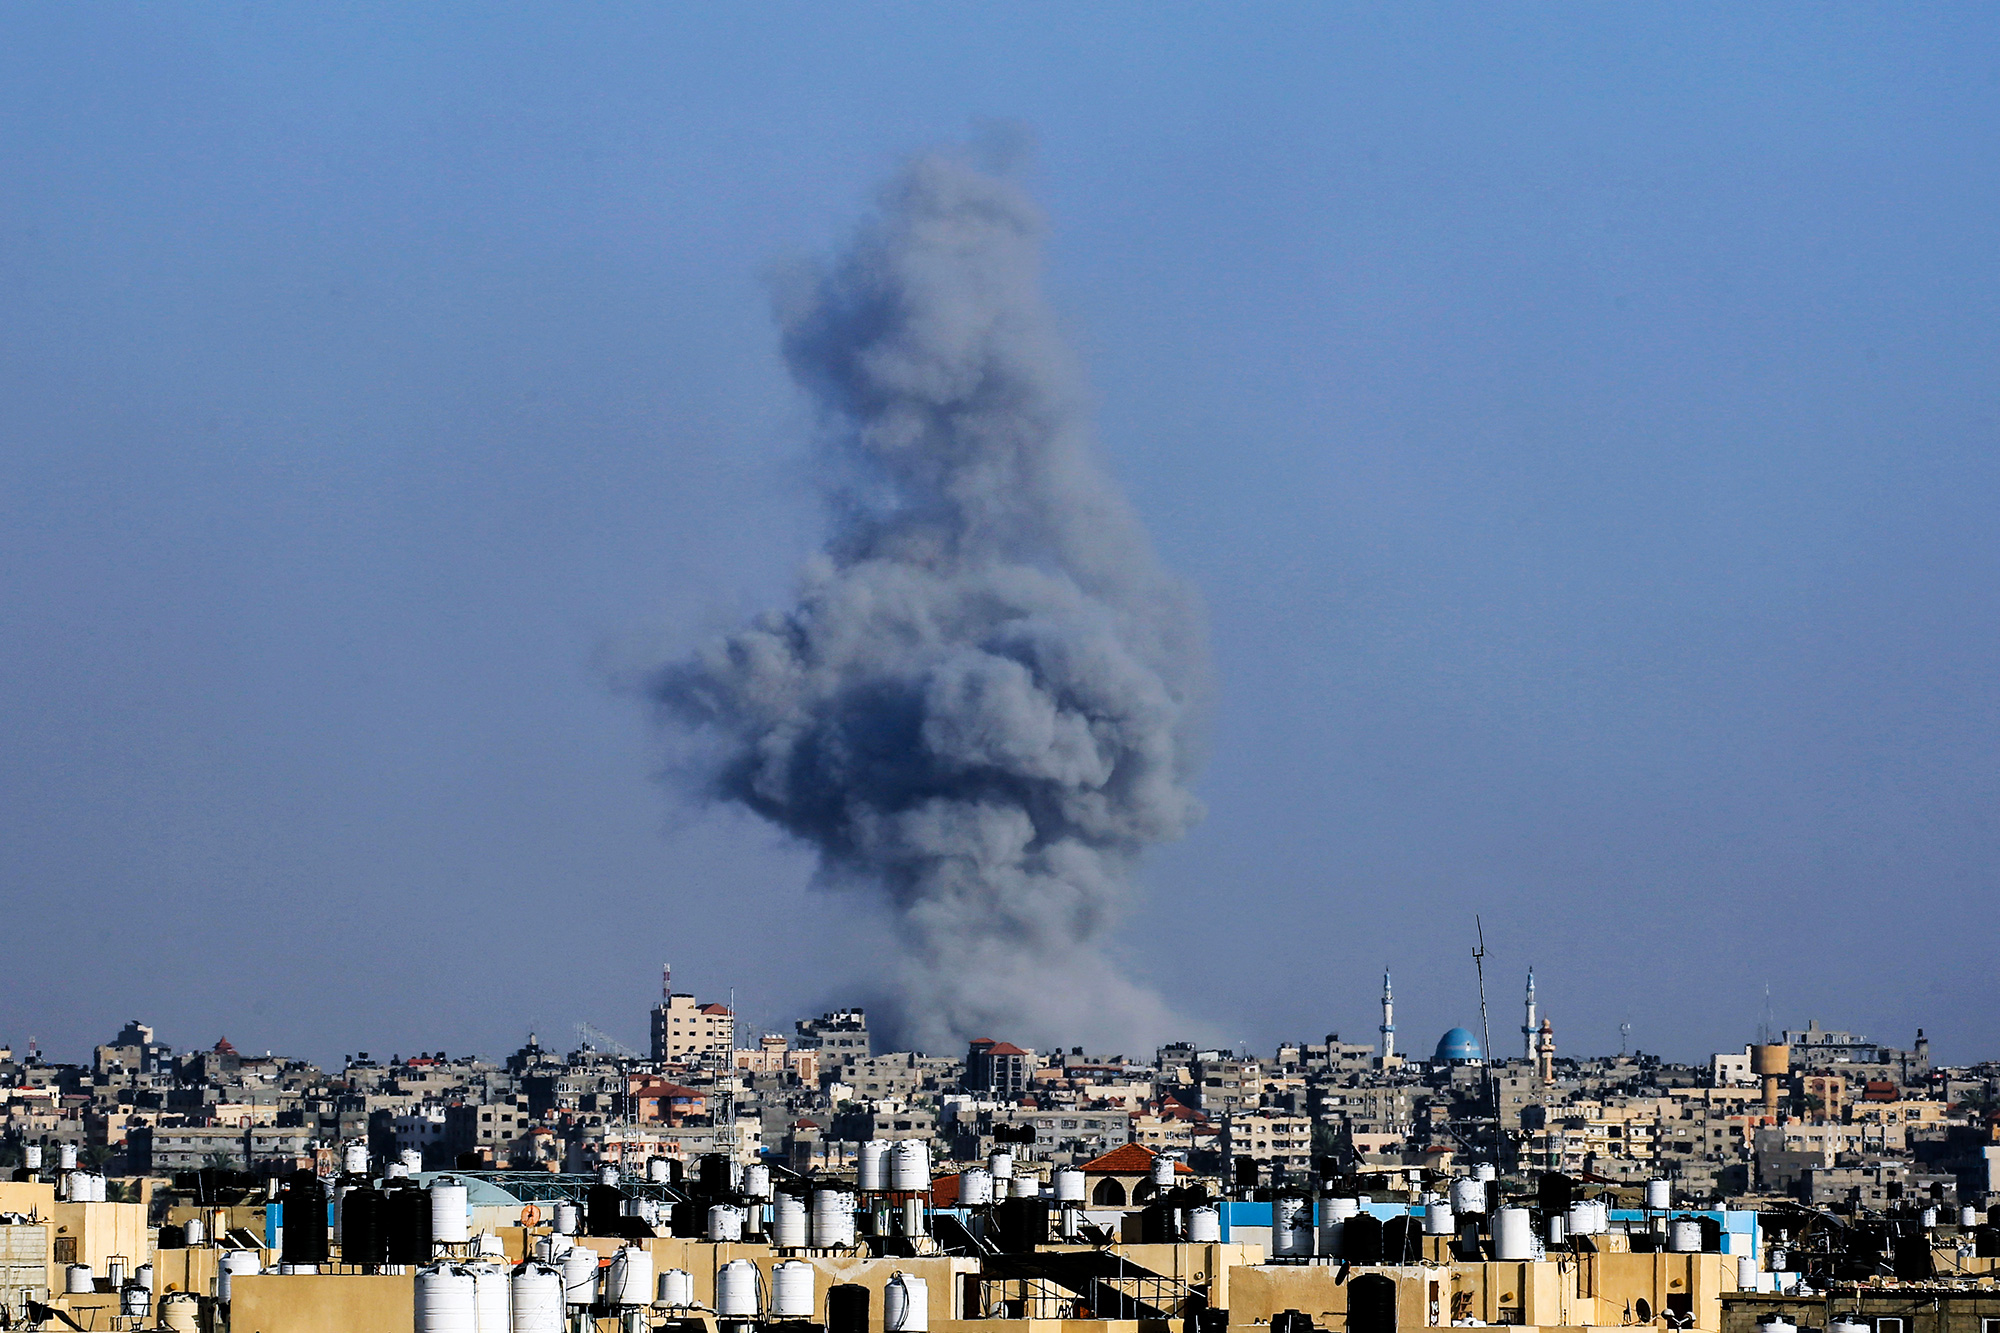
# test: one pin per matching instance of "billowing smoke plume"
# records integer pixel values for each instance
(981, 705)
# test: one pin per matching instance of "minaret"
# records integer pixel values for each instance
(1545, 1053)
(1528, 1025)
(1388, 1020)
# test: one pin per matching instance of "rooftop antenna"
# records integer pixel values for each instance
(666, 981)
(1485, 1035)
(1624, 1031)
(1764, 1020)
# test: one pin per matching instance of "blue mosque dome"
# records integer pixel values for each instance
(1457, 1046)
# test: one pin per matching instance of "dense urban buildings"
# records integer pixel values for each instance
(1770, 1175)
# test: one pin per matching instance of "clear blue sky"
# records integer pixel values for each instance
(1580, 421)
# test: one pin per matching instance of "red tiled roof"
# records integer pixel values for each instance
(1134, 1159)
(715, 1009)
(1004, 1048)
(666, 1090)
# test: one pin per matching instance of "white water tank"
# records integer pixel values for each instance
(1513, 1235)
(1468, 1195)
(757, 1181)
(395, 1171)
(1024, 1187)
(792, 1290)
(608, 1175)
(79, 1278)
(906, 1305)
(1161, 1172)
(788, 1222)
(629, 1280)
(1659, 1195)
(1577, 1223)
(736, 1290)
(180, 1312)
(1777, 1324)
(1683, 1236)
(1485, 1172)
(579, 1276)
(1204, 1225)
(1069, 1185)
(197, 1231)
(1000, 1164)
(135, 1302)
(66, 1157)
(354, 1159)
(412, 1160)
(32, 1157)
(1929, 1218)
(143, 1275)
(450, 1217)
(832, 1219)
(567, 1217)
(910, 1165)
(233, 1264)
(444, 1300)
(677, 1288)
(114, 1270)
(1848, 1326)
(725, 1223)
(491, 1304)
(536, 1294)
(1291, 1228)
(975, 1186)
(1968, 1217)
(1558, 1230)
(1439, 1220)
(872, 1167)
(1333, 1216)
(1746, 1272)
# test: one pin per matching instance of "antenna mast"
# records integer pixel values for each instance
(1486, 1036)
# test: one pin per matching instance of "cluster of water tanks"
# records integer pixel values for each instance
(903, 1166)
(83, 1187)
(541, 1297)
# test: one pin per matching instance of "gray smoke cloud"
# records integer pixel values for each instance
(982, 705)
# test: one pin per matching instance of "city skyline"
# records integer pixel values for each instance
(1578, 427)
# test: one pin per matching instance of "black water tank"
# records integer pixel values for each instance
(1371, 1304)
(603, 1207)
(1402, 1240)
(408, 1218)
(304, 1204)
(1912, 1250)
(1020, 1224)
(714, 1175)
(364, 1227)
(847, 1308)
(690, 1221)
(1291, 1321)
(1361, 1239)
(1555, 1192)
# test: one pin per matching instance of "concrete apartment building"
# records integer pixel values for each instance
(686, 1031)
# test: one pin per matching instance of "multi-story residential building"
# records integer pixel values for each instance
(1274, 1140)
(686, 1031)
(998, 1067)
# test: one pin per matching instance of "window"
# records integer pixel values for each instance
(1894, 1325)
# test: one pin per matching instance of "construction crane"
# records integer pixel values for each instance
(597, 1039)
